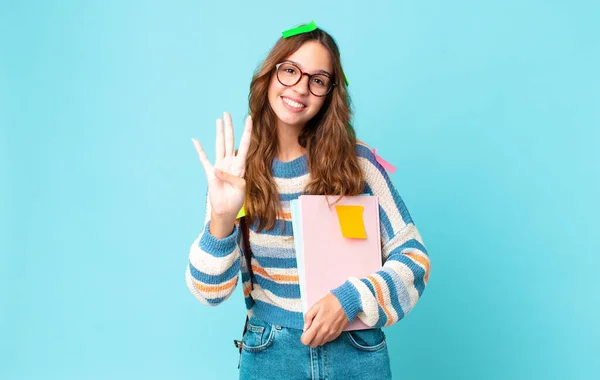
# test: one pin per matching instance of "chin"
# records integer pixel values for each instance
(293, 123)
(290, 119)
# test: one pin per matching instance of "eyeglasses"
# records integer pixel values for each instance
(288, 74)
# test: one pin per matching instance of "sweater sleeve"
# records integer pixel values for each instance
(214, 264)
(388, 295)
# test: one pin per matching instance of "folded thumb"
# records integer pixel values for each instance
(231, 179)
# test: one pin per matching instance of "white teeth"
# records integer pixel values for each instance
(293, 103)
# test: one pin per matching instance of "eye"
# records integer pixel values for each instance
(320, 81)
(289, 70)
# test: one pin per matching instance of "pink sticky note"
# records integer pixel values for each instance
(386, 165)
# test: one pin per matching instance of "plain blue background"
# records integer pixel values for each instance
(489, 110)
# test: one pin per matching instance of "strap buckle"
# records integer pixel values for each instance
(238, 344)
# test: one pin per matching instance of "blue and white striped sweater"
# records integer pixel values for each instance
(380, 299)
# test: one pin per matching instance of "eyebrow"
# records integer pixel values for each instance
(316, 72)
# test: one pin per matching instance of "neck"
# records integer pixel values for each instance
(288, 147)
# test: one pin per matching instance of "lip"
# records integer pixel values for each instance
(290, 107)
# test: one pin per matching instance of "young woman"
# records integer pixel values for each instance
(298, 140)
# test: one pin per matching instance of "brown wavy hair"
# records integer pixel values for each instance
(328, 137)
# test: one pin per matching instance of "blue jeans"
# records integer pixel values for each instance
(274, 352)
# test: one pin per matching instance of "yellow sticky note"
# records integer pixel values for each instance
(351, 221)
(241, 213)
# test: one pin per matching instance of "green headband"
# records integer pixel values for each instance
(305, 29)
(299, 30)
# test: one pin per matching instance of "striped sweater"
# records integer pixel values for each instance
(378, 300)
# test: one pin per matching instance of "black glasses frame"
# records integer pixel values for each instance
(300, 78)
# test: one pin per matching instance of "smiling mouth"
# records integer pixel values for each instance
(292, 104)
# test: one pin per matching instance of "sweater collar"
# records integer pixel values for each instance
(290, 169)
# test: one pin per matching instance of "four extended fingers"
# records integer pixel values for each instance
(224, 146)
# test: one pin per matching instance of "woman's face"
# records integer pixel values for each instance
(296, 105)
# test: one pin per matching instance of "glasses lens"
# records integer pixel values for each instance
(320, 84)
(288, 74)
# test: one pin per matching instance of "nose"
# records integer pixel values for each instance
(301, 87)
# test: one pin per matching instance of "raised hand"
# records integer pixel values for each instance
(226, 183)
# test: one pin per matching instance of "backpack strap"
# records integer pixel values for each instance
(247, 252)
(248, 257)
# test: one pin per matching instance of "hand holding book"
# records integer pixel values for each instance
(324, 321)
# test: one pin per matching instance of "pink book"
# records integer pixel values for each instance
(324, 256)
